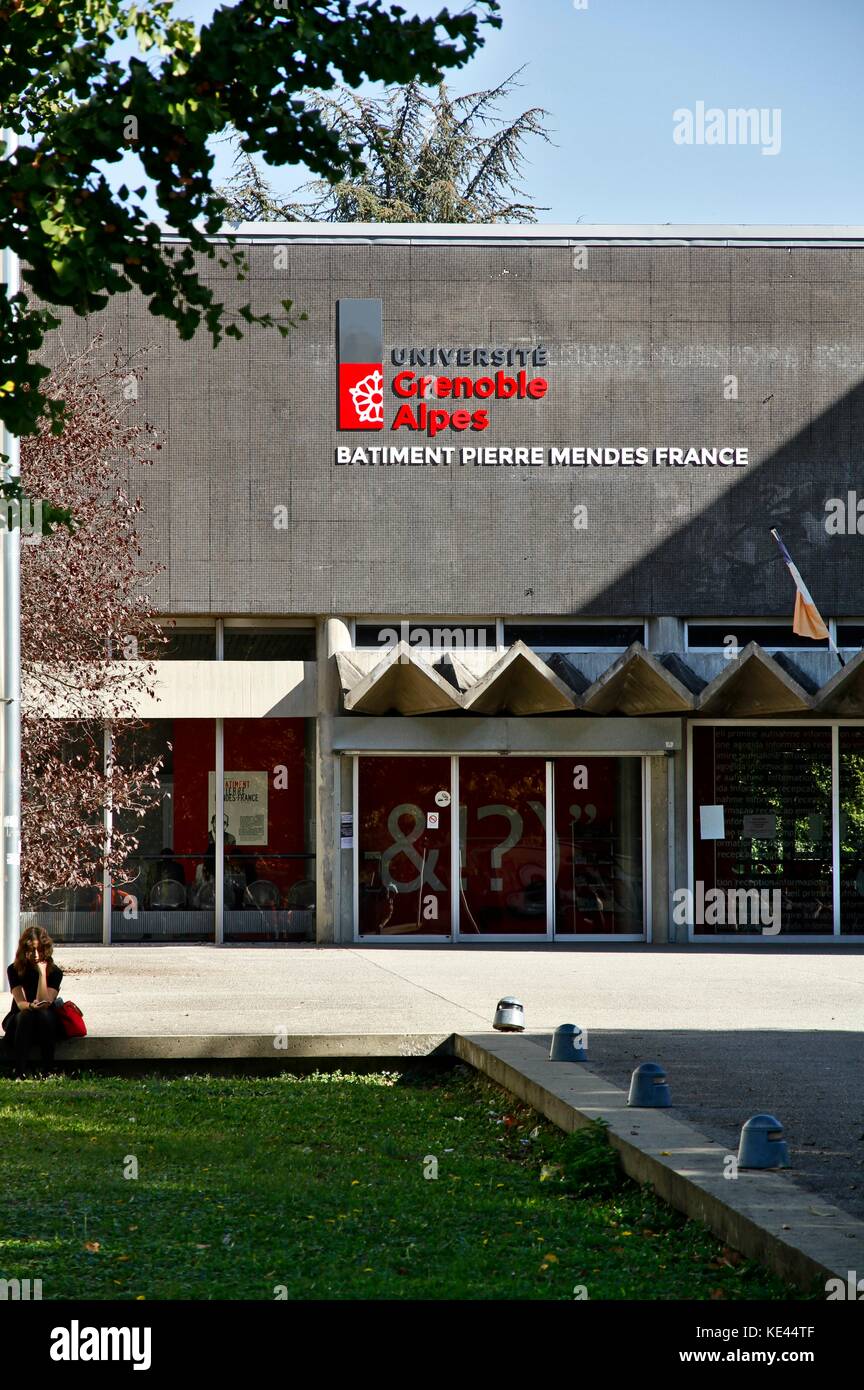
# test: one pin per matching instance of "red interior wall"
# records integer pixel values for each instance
(251, 745)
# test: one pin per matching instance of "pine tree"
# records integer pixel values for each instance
(427, 156)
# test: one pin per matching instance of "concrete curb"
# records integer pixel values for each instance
(251, 1047)
(765, 1215)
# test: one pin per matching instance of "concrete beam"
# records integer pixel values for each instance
(551, 736)
(187, 690)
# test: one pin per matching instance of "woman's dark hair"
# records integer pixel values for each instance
(27, 938)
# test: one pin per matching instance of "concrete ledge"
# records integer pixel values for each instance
(765, 1215)
(250, 1047)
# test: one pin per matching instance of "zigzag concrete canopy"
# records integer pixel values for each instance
(844, 693)
(637, 683)
(350, 674)
(520, 683)
(402, 682)
(754, 684)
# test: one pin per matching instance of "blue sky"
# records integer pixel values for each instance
(612, 74)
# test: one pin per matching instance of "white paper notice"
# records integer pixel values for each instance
(711, 823)
(759, 827)
(245, 805)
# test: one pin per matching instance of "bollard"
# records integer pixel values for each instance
(509, 1016)
(762, 1144)
(568, 1044)
(648, 1086)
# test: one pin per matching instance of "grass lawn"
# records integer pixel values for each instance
(317, 1184)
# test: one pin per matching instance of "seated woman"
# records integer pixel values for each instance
(34, 980)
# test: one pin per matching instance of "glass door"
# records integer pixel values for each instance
(403, 847)
(599, 864)
(502, 848)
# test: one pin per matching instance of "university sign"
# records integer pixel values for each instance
(468, 381)
(362, 378)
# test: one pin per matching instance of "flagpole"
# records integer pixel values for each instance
(806, 598)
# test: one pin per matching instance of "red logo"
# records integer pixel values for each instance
(361, 396)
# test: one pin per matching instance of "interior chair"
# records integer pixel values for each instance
(167, 894)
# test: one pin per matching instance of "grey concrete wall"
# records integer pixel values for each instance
(641, 343)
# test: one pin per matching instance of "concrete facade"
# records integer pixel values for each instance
(641, 342)
(697, 339)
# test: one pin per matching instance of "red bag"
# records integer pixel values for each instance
(71, 1019)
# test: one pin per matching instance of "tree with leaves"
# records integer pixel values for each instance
(88, 629)
(426, 156)
(77, 103)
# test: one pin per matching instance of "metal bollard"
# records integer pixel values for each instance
(762, 1144)
(509, 1016)
(648, 1086)
(568, 1044)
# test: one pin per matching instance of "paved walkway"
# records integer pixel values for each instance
(740, 1030)
(319, 989)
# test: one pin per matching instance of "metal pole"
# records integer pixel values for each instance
(219, 834)
(11, 669)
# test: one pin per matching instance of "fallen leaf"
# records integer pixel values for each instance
(92, 1246)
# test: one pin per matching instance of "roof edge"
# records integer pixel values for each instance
(542, 233)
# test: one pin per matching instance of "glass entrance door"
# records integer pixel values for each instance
(538, 847)
(403, 847)
(502, 848)
(599, 873)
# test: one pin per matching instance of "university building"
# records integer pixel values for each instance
(478, 628)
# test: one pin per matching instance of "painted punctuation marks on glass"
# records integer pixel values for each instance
(404, 844)
(510, 841)
(425, 862)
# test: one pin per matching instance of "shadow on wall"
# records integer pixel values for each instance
(688, 573)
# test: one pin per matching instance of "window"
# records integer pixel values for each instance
(574, 637)
(773, 636)
(762, 830)
(852, 831)
(439, 634)
(269, 643)
(269, 830)
(168, 890)
(184, 643)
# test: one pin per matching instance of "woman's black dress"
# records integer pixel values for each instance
(32, 1027)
